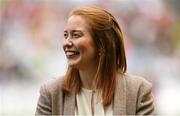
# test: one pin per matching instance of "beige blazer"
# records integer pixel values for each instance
(132, 97)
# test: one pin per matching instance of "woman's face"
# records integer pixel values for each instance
(78, 44)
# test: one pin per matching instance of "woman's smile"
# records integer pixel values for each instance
(72, 54)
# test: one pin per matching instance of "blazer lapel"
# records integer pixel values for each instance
(119, 107)
(69, 104)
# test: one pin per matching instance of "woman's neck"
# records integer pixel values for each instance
(87, 77)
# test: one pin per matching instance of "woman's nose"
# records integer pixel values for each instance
(67, 43)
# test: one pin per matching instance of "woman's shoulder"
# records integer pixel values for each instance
(136, 82)
(139, 91)
(136, 79)
(53, 85)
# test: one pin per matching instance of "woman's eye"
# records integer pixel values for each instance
(65, 35)
(76, 35)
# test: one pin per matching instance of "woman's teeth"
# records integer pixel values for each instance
(70, 53)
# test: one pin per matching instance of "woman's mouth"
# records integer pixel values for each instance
(71, 54)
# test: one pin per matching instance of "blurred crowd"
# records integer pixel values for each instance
(31, 34)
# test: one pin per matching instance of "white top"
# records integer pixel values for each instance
(89, 102)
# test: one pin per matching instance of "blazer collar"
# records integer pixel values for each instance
(69, 104)
(119, 103)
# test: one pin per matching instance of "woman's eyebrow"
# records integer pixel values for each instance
(77, 31)
(65, 31)
(74, 30)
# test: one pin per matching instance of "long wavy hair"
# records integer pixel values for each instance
(108, 39)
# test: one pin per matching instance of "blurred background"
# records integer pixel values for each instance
(31, 35)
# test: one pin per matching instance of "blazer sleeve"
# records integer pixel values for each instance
(145, 102)
(44, 102)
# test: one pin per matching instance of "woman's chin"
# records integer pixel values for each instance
(72, 65)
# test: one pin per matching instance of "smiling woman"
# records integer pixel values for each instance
(96, 82)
